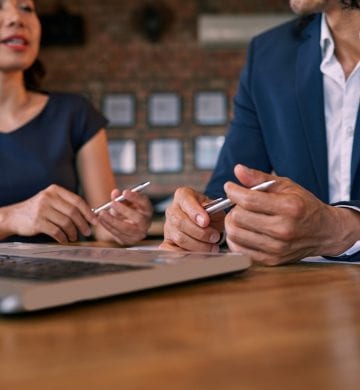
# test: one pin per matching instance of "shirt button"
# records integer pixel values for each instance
(350, 131)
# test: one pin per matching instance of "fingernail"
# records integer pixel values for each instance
(215, 237)
(200, 220)
(245, 168)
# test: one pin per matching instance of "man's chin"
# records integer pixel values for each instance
(304, 8)
(302, 13)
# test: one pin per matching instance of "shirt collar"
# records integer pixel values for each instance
(326, 40)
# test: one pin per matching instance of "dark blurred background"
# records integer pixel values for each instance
(139, 47)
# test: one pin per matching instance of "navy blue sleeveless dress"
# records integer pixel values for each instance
(43, 151)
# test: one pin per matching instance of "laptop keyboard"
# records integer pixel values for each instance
(28, 268)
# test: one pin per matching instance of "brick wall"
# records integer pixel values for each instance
(117, 58)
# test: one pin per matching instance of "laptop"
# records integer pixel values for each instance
(41, 276)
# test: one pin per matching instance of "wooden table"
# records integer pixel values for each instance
(290, 327)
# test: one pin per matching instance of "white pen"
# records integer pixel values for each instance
(221, 204)
(120, 198)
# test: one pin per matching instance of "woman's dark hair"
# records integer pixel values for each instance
(34, 75)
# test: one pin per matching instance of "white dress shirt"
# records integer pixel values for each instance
(341, 100)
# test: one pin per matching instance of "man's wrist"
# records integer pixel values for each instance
(345, 236)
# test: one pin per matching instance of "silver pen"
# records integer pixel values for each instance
(221, 204)
(120, 198)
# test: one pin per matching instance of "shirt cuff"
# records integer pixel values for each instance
(356, 247)
(222, 239)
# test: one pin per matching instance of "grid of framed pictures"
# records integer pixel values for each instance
(165, 155)
(123, 156)
(206, 150)
(164, 109)
(210, 108)
(119, 109)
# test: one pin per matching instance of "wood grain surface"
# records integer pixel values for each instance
(290, 327)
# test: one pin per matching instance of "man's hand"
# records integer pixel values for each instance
(188, 226)
(286, 223)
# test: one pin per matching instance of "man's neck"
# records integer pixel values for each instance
(345, 29)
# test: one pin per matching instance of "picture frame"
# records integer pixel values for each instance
(235, 30)
(122, 155)
(165, 155)
(207, 150)
(210, 108)
(164, 109)
(119, 109)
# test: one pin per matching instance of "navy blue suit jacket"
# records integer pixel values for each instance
(279, 122)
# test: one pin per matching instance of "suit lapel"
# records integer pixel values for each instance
(355, 159)
(309, 91)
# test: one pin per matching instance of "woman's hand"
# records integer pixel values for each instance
(127, 221)
(54, 211)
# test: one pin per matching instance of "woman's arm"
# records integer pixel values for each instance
(126, 222)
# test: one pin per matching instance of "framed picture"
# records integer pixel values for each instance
(164, 109)
(221, 30)
(165, 155)
(119, 109)
(123, 156)
(210, 108)
(207, 149)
